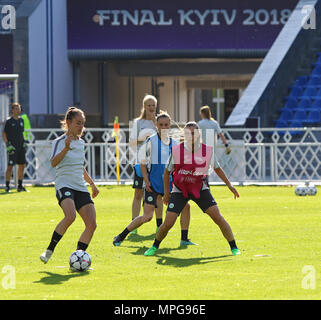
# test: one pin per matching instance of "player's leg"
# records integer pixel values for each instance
(185, 221)
(159, 212)
(88, 215)
(136, 223)
(21, 168)
(8, 177)
(67, 205)
(176, 204)
(137, 201)
(162, 232)
(214, 213)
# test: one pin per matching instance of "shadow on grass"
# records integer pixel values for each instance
(139, 238)
(179, 262)
(56, 278)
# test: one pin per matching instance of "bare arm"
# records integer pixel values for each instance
(145, 177)
(166, 186)
(91, 182)
(223, 177)
(223, 138)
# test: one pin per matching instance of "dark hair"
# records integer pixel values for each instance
(70, 114)
(163, 114)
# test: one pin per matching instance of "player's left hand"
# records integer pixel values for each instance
(234, 191)
(94, 191)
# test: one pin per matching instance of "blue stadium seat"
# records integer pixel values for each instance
(314, 80)
(318, 61)
(291, 103)
(310, 91)
(314, 117)
(305, 103)
(319, 93)
(316, 104)
(300, 115)
(286, 115)
(281, 124)
(295, 124)
(316, 70)
(296, 92)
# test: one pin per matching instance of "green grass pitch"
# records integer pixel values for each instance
(277, 232)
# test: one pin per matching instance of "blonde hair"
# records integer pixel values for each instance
(143, 111)
(70, 114)
(206, 111)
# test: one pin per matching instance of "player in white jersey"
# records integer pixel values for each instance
(209, 127)
(68, 157)
(143, 127)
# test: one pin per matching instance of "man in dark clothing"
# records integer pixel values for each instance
(16, 145)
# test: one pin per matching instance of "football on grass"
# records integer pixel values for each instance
(79, 261)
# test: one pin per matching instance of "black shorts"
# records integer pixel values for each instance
(151, 197)
(138, 181)
(177, 202)
(18, 157)
(80, 198)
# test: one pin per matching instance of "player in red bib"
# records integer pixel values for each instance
(189, 164)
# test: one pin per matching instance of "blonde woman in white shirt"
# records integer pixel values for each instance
(68, 157)
(143, 127)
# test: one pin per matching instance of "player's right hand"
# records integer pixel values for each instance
(68, 141)
(166, 198)
(148, 186)
(10, 148)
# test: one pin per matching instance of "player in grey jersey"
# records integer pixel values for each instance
(68, 157)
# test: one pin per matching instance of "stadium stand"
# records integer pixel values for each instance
(287, 85)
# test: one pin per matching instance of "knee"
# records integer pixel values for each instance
(167, 225)
(70, 219)
(138, 195)
(147, 217)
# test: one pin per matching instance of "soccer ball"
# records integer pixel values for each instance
(301, 190)
(312, 191)
(79, 261)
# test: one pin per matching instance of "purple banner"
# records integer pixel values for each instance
(176, 25)
(6, 53)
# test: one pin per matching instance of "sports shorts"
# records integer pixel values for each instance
(151, 197)
(138, 181)
(177, 202)
(80, 198)
(18, 157)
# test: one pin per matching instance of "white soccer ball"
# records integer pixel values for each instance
(312, 191)
(79, 261)
(301, 190)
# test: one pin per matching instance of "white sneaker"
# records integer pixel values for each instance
(46, 256)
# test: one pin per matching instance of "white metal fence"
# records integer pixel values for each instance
(258, 155)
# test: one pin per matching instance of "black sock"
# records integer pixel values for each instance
(54, 240)
(124, 234)
(159, 222)
(20, 183)
(82, 246)
(232, 244)
(184, 234)
(7, 183)
(156, 243)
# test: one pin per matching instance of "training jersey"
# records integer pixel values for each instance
(70, 170)
(155, 153)
(138, 126)
(170, 166)
(208, 129)
(14, 131)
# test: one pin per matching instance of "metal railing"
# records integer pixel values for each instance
(258, 155)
